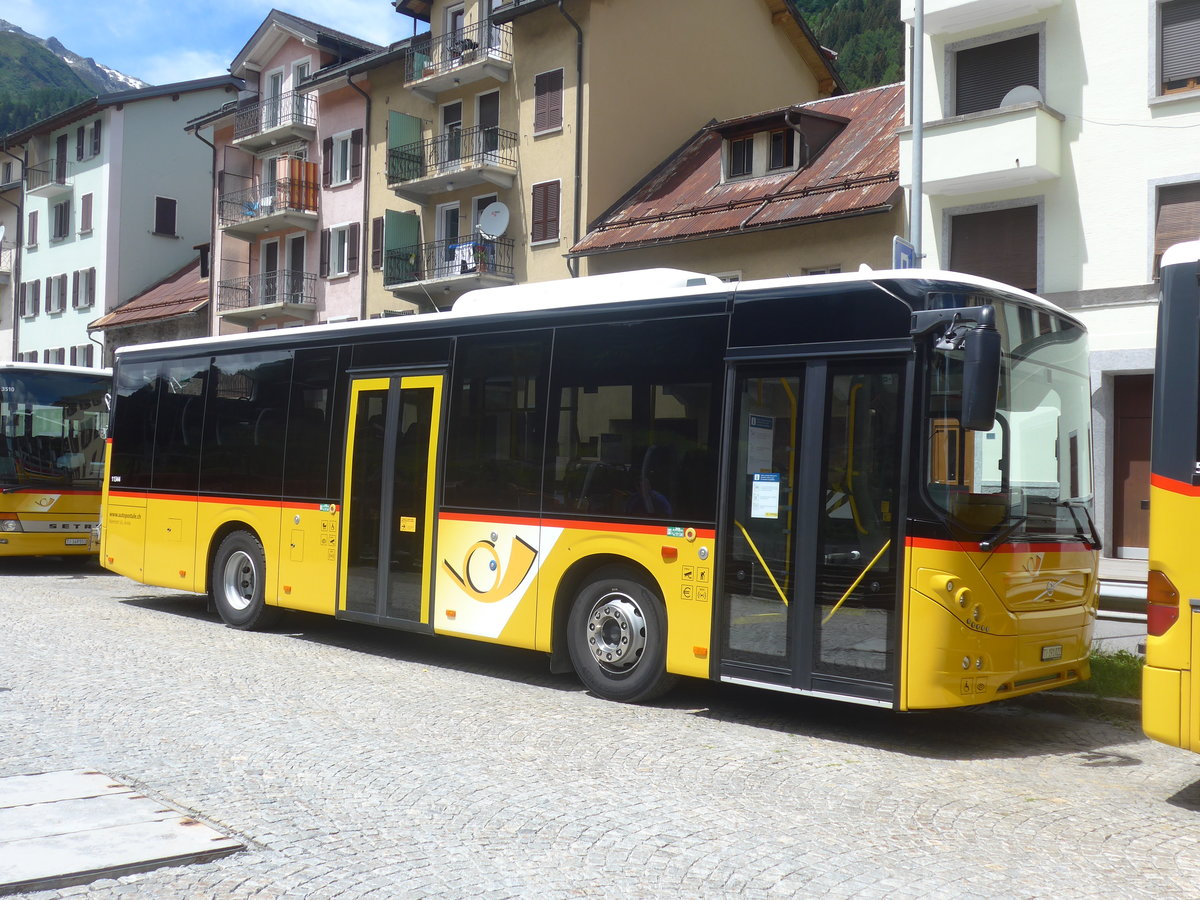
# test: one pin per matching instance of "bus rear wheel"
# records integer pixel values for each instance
(238, 585)
(617, 638)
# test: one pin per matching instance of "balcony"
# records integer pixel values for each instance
(276, 120)
(273, 206)
(987, 151)
(250, 299)
(8, 260)
(48, 179)
(478, 51)
(460, 158)
(455, 265)
(949, 16)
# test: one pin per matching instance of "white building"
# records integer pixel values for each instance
(1060, 155)
(10, 230)
(116, 197)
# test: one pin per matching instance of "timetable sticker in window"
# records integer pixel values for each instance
(764, 496)
(760, 441)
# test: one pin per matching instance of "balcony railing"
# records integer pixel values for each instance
(290, 111)
(8, 257)
(449, 259)
(268, 200)
(48, 175)
(267, 289)
(461, 148)
(454, 50)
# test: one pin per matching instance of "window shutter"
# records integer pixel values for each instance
(96, 137)
(79, 139)
(356, 154)
(985, 74)
(35, 302)
(85, 213)
(74, 356)
(49, 294)
(1180, 40)
(545, 211)
(377, 243)
(164, 215)
(323, 271)
(21, 292)
(327, 162)
(75, 288)
(547, 107)
(1178, 217)
(33, 217)
(1000, 244)
(353, 240)
(91, 286)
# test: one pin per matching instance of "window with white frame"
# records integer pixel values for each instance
(56, 293)
(547, 101)
(55, 357)
(1179, 46)
(31, 229)
(339, 250)
(83, 288)
(822, 270)
(546, 197)
(83, 355)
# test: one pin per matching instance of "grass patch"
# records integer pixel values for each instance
(1117, 674)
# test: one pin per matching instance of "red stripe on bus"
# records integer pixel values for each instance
(224, 501)
(1162, 482)
(587, 525)
(1017, 547)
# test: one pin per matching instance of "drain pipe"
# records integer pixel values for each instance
(573, 264)
(364, 265)
(212, 237)
(18, 240)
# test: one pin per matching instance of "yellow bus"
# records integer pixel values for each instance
(871, 487)
(55, 420)
(1170, 692)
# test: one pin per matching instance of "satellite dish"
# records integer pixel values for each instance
(493, 220)
(1022, 93)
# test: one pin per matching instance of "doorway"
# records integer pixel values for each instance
(1132, 396)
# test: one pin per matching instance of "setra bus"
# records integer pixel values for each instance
(55, 421)
(1170, 692)
(871, 487)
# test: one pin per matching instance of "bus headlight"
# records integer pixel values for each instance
(10, 525)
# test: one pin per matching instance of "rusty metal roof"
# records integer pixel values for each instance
(856, 173)
(178, 294)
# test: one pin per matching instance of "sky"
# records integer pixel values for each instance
(164, 41)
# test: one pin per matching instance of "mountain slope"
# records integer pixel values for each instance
(867, 35)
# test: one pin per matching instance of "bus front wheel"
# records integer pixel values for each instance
(617, 637)
(238, 583)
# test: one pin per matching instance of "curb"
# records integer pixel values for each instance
(1076, 703)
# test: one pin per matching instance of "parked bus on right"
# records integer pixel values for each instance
(1171, 679)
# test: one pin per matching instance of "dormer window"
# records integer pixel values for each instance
(741, 156)
(783, 149)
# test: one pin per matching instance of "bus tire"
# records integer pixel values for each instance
(617, 638)
(238, 583)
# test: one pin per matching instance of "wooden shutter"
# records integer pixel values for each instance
(35, 301)
(999, 244)
(33, 222)
(545, 211)
(377, 243)
(547, 106)
(327, 162)
(96, 137)
(21, 293)
(1177, 218)
(1180, 43)
(49, 293)
(79, 138)
(323, 271)
(91, 287)
(983, 75)
(164, 215)
(75, 355)
(75, 288)
(356, 154)
(353, 240)
(85, 213)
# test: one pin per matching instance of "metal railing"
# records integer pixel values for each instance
(8, 256)
(267, 288)
(448, 259)
(291, 108)
(267, 199)
(460, 148)
(52, 171)
(458, 48)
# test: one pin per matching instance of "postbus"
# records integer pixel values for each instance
(1170, 689)
(871, 487)
(55, 421)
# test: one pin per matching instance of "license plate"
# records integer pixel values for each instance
(1054, 651)
(77, 542)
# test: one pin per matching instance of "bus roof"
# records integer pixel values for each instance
(50, 368)
(1189, 251)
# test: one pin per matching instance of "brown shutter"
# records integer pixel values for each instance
(96, 137)
(985, 74)
(36, 302)
(377, 243)
(327, 162)
(79, 136)
(545, 211)
(547, 106)
(356, 154)
(85, 213)
(353, 240)
(91, 286)
(33, 222)
(323, 271)
(75, 288)
(1000, 244)
(21, 291)
(74, 355)
(1178, 217)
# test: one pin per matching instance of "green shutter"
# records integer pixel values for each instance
(401, 247)
(403, 131)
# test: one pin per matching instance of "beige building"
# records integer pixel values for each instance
(502, 134)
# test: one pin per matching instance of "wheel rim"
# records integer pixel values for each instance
(617, 633)
(240, 580)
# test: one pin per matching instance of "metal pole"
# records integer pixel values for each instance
(917, 193)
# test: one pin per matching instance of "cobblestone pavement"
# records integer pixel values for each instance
(360, 763)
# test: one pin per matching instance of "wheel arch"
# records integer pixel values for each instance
(214, 542)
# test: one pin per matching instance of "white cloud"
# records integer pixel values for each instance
(183, 65)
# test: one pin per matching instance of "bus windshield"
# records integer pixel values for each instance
(54, 426)
(1030, 475)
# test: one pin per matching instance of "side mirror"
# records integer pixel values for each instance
(981, 376)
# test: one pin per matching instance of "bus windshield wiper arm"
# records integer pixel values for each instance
(1073, 505)
(989, 544)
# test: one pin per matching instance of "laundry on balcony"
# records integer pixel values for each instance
(464, 257)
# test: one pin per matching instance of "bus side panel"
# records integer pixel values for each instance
(260, 519)
(308, 560)
(123, 535)
(170, 538)
(1163, 703)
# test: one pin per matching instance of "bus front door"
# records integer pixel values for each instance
(389, 500)
(810, 588)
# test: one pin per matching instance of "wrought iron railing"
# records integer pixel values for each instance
(267, 199)
(52, 171)
(460, 148)
(449, 259)
(268, 288)
(435, 56)
(292, 108)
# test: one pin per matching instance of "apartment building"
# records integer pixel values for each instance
(10, 238)
(114, 198)
(1059, 156)
(289, 186)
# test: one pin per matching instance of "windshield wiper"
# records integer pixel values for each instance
(1073, 505)
(988, 544)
